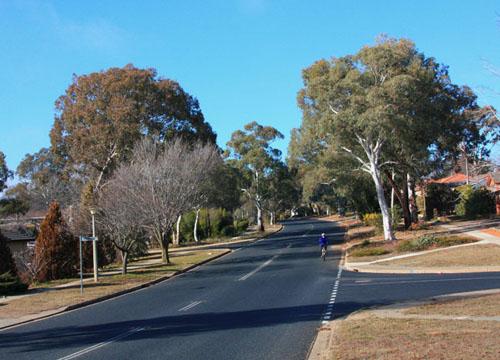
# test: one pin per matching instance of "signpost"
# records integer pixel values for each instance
(83, 239)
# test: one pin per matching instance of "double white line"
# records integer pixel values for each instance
(190, 306)
(102, 344)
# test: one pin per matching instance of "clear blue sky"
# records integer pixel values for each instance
(241, 58)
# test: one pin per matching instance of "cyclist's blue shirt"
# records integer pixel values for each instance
(323, 241)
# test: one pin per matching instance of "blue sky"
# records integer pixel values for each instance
(242, 59)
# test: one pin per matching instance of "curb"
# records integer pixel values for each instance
(119, 293)
(389, 270)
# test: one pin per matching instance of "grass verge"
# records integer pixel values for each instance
(477, 255)
(366, 336)
(56, 298)
(425, 242)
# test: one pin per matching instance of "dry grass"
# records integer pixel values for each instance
(62, 297)
(485, 305)
(476, 255)
(376, 338)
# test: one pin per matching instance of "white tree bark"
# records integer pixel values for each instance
(373, 166)
(178, 231)
(195, 228)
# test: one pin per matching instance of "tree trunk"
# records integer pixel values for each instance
(195, 229)
(260, 222)
(178, 231)
(386, 217)
(413, 200)
(164, 249)
(405, 203)
(124, 261)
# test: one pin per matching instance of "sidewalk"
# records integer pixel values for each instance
(481, 229)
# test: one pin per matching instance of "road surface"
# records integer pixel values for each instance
(265, 300)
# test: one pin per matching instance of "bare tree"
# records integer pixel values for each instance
(29, 265)
(119, 219)
(167, 183)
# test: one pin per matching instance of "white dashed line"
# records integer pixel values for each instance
(327, 316)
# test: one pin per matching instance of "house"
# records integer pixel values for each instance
(19, 239)
(490, 181)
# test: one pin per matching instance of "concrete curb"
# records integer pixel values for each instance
(427, 270)
(117, 294)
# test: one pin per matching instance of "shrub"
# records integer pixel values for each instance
(440, 197)
(7, 263)
(474, 202)
(396, 215)
(369, 251)
(241, 225)
(418, 244)
(57, 246)
(10, 284)
(375, 220)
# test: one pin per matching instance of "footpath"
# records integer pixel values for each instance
(19, 309)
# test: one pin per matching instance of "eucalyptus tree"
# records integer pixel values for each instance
(102, 114)
(5, 173)
(384, 106)
(250, 150)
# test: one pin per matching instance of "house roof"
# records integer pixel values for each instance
(453, 179)
(18, 235)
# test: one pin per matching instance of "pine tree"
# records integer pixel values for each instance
(7, 263)
(56, 246)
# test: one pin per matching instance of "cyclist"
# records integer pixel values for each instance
(323, 243)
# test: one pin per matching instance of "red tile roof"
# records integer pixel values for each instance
(453, 179)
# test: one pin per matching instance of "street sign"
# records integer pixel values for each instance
(84, 239)
(88, 238)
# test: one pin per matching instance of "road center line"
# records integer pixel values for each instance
(243, 278)
(102, 344)
(190, 306)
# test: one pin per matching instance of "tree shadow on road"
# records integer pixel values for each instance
(19, 341)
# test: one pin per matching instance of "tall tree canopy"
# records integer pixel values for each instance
(250, 150)
(4, 172)
(387, 105)
(102, 114)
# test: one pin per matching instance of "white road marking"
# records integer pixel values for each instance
(258, 268)
(190, 306)
(102, 344)
(328, 314)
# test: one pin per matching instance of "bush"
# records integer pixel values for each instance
(375, 220)
(11, 285)
(396, 215)
(241, 225)
(6, 260)
(368, 251)
(475, 202)
(440, 197)
(419, 244)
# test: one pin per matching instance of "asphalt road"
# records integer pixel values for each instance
(264, 301)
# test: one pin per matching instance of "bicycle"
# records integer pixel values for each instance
(323, 253)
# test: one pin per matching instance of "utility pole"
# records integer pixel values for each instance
(94, 244)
